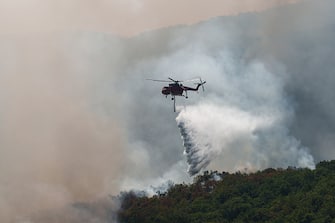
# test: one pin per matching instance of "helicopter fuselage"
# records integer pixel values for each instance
(176, 89)
(173, 89)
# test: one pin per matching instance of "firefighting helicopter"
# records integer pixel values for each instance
(175, 88)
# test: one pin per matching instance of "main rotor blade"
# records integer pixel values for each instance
(174, 80)
(158, 80)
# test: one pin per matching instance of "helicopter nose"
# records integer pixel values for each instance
(165, 91)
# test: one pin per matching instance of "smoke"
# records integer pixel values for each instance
(78, 121)
(228, 138)
(263, 96)
(125, 18)
(101, 211)
(55, 148)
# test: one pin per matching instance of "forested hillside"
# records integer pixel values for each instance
(271, 195)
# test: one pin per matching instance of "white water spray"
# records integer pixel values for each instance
(247, 130)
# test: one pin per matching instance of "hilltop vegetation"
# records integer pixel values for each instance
(271, 195)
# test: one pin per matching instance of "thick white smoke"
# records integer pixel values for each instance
(247, 128)
(260, 104)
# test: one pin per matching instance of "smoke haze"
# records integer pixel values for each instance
(123, 17)
(78, 121)
(265, 90)
(54, 148)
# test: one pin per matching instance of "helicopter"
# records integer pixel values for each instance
(175, 88)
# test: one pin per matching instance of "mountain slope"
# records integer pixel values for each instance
(291, 195)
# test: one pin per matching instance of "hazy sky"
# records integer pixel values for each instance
(124, 17)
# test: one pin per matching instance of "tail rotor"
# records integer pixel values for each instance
(202, 84)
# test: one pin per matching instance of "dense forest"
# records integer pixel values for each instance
(271, 195)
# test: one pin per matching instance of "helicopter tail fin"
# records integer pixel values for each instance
(201, 84)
